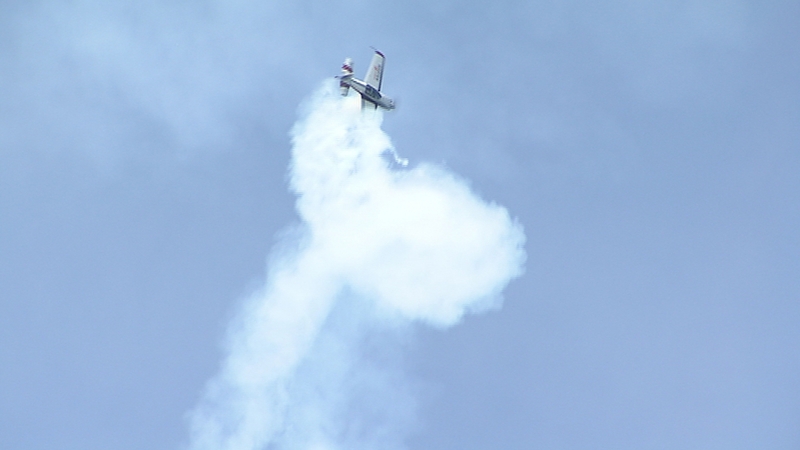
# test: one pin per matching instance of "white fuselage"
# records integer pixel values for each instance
(368, 93)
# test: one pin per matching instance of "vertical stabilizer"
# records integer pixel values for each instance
(347, 72)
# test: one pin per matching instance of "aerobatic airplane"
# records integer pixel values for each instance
(370, 87)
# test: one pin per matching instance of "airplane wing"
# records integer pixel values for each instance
(375, 72)
(367, 104)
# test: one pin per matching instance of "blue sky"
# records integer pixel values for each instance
(651, 150)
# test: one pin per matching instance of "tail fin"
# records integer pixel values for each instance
(347, 72)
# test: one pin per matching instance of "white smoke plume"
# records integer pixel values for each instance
(310, 361)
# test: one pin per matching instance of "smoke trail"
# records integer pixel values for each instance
(379, 248)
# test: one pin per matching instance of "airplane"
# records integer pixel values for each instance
(370, 87)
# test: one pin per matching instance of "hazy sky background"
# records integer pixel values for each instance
(651, 150)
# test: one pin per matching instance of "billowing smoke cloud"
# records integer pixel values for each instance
(310, 361)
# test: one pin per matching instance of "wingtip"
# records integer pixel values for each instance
(377, 51)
